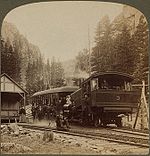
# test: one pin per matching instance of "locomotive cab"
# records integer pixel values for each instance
(110, 84)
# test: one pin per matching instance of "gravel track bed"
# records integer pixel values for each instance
(107, 133)
(16, 139)
(110, 135)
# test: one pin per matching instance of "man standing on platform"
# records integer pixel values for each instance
(22, 114)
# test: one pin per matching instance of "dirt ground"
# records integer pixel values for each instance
(31, 142)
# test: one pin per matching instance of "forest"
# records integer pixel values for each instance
(117, 48)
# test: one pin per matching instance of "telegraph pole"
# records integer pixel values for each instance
(89, 50)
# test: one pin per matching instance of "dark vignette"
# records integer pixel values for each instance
(7, 5)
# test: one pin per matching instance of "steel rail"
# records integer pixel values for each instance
(131, 132)
(85, 134)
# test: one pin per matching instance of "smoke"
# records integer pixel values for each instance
(81, 74)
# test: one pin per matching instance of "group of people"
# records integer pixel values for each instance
(60, 111)
(42, 112)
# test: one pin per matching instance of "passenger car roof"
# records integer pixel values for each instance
(57, 90)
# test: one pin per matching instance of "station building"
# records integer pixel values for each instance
(13, 96)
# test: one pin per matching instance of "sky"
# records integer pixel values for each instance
(60, 29)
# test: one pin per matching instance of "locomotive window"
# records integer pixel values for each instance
(94, 84)
(114, 84)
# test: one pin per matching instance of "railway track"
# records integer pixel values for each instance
(140, 134)
(117, 136)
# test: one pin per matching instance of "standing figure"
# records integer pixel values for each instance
(44, 111)
(58, 106)
(49, 112)
(66, 111)
(87, 103)
(40, 113)
(63, 102)
(86, 114)
(33, 112)
(66, 107)
(36, 112)
(22, 114)
(59, 121)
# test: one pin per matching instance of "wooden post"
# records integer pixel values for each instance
(128, 118)
(137, 115)
(8, 117)
(145, 102)
(142, 108)
(142, 116)
(24, 97)
(131, 116)
(89, 50)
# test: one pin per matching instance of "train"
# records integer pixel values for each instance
(100, 99)
(103, 98)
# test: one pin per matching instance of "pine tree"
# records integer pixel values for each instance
(17, 64)
(3, 56)
(82, 61)
(101, 53)
(10, 61)
(123, 52)
(57, 74)
(95, 60)
(29, 79)
(47, 75)
(40, 73)
(53, 75)
(141, 48)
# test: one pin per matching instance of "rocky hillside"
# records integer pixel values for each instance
(11, 34)
(27, 51)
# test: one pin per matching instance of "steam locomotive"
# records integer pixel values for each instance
(103, 98)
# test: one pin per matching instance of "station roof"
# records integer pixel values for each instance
(9, 85)
(57, 90)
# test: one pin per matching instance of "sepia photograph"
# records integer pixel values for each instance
(75, 79)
